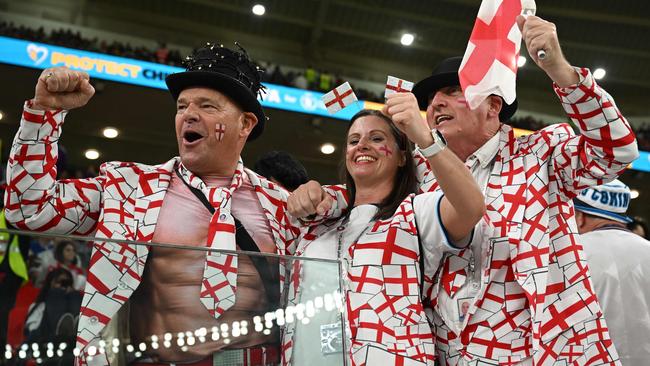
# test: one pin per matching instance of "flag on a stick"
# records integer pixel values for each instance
(490, 62)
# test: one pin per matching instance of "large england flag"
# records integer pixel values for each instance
(490, 62)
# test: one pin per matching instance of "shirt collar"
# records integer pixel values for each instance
(486, 153)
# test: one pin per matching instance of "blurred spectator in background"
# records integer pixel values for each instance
(65, 254)
(310, 75)
(325, 81)
(277, 77)
(13, 271)
(619, 263)
(639, 227)
(41, 257)
(281, 168)
(53, 316)
(162, 53)
(300, 81)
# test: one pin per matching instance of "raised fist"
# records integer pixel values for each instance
(62, 88)
(309, 199)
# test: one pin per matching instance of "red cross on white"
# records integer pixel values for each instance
(220, 131)
(339, 98)
(490, 62)
(397, 85)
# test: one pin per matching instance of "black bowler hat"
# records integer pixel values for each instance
(229, 72)
(446, 74)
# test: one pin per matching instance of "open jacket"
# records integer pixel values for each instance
(536, 297)
(123, 202)
(382, 284)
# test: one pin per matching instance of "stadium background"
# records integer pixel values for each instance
(356, 41)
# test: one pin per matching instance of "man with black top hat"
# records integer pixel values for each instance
(524, 273)
(204, 198)
(619, 262)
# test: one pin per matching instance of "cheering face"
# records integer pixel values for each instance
(209, 127)
(372, 154)
(449, 112)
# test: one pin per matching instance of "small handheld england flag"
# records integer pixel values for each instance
(397, 85)
(339, 98)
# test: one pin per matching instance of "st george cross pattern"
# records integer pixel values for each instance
(339, 98)
(397, 85)
(489, 65)
(536, 299)
(122, 203)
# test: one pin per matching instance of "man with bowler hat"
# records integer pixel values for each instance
(204, 198)
(532, 301)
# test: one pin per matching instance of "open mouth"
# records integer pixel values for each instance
(442, 118)
(364, 159)
(192, 136)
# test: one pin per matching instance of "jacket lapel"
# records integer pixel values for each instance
(274, 201)
(152, 186)
(506, 190)
(505, 198)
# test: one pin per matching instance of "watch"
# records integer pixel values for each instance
(439, 144)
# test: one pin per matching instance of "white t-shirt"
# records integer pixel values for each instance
(320, 278)
(619, 264)
(426, 207)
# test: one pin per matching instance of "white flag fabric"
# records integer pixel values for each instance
(397, 85)
(490, 62)
(339, 98)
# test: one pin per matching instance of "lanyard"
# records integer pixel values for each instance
(270, 278)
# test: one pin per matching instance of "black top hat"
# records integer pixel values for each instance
(230, 72)
(446, 74)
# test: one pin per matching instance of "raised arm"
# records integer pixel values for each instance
(606, 145)
(463, 204)
(312, 203)
(34, 199)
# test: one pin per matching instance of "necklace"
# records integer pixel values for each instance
(341, 229)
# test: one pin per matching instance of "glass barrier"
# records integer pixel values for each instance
(146, 303)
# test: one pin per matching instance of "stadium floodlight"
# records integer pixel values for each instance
(327, 148)
(259, 9)
(1, 116)
(521, 61)
(92, 154)
(599, 73)
(407, 39)
(110, 132)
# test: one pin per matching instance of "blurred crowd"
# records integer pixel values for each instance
(68, 38)
(41, 286)
(309, 79)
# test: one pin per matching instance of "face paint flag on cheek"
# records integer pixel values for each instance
(397, 85)
(386, 150)
(339, 98)
(220, 131)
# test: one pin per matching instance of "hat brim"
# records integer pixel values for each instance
(225, 84)
(602, 213)
(424, 89)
